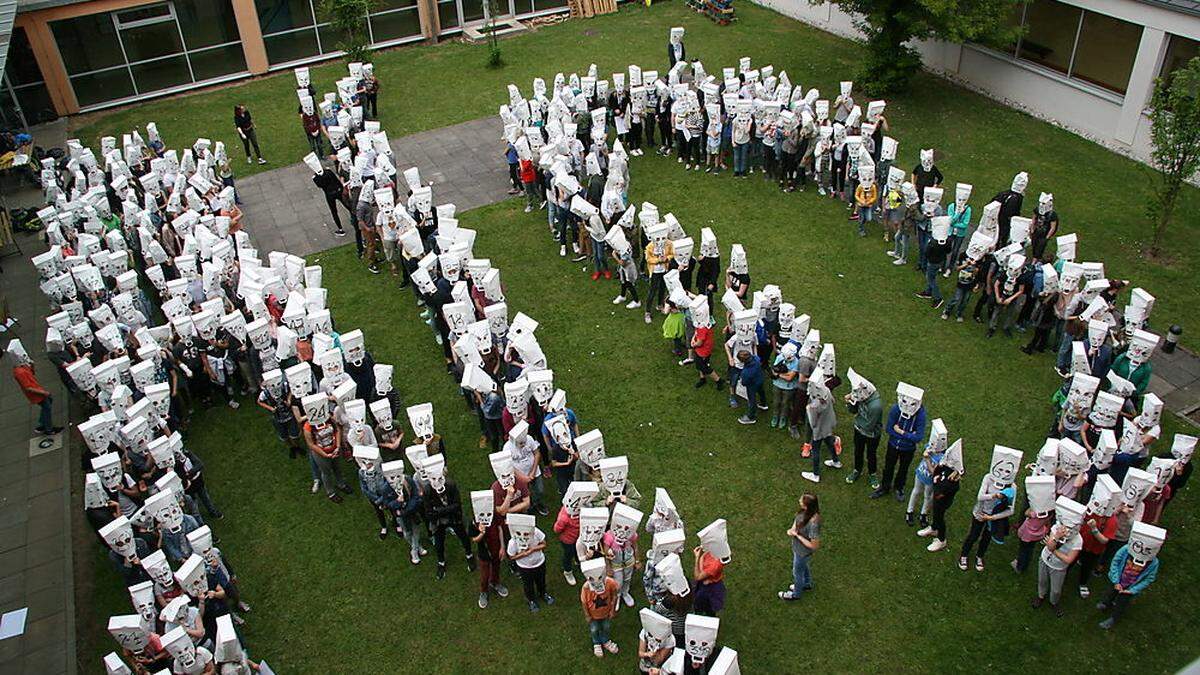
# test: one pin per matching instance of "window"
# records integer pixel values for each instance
(448, 15)
(150, 49)
(1050, 30)
(293, 29)
(1180, 52)
(1085, 46)
(24, 92)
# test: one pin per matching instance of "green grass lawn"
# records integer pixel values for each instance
(329, 597)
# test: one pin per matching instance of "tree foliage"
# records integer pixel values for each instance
(1175, 136)
(890, 26)
(349, 19)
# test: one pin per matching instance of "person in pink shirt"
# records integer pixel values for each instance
(566, 526)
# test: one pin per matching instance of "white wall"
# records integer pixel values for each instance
(1104, 117)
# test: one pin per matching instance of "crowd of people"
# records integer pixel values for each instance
(1087, 491)
(234, 324)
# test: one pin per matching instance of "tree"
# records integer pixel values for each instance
(1175, 135)
(490, 9)
(890, 25)
(349, 19)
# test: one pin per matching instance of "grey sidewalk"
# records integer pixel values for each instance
(1176, 380)
(35, 495)
(285, 211)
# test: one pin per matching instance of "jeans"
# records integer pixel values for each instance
(531, 195)
(199, 491)
(599, 256)
(926, 493)
(657, 293)
(958, 302)
(922, 242)
(752, 400)
(865, 213)
(1009, 313)
(956, 242)
(901, 249)
(1119, 602)
(869, 446)
(783, 403)
(333, 201)
(1064, 353)
(330, 472)
(45, 421)
(895, 468)
(534, 581)
(315, 143)
(816, 452)
(739, 157)
(931, 284)
(1050, 580)
(1024, 554)
(570, 557)
(801, 575)
(979, 530)
(439, 539)
(599, 629)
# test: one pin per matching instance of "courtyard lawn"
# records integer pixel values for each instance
(328, 596)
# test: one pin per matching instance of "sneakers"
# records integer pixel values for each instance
(335, 498)
(890, 254)
(339, 232)
(595, 276)
(877, 493)
(383, 533)
(598, 651)
(575, 248)
(924, 520)
(833, 464)
(687, 361)
(628, 599)
(562, 251)
(633, 304)
(533, 606)
(939, 544)
(611, 647)
(548, 599)
(316, 486)
(1107, 623)
(232, 404)
(415, 557)
(925, 295)
(607, 275)
(786, 595)
(774, 418)
(852, 476)
(937, 304)
(1084, 592)
(500, 590)
(899, 261)
(926, 531)
(570, 577)
(745, 420)
(699, 383)
(528, 208)
(261, 160)
(908, 519)
(962, 563)
(620, 299)
(648, 317)
(810, 476)
(874, 481)
(978, 564)
(579, 257)
(483, 600)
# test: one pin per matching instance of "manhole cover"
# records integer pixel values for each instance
(40, 445)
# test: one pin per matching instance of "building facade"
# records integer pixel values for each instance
(1086, 65)
(70, 56)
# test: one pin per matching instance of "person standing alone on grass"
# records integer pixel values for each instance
(244, 124)
(805, 535)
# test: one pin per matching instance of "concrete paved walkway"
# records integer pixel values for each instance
(285, 211)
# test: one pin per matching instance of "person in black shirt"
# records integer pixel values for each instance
(335, 193)
(926, 174)
(245, 128)
(1010, 205)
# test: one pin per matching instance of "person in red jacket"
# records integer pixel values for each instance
(33, 390)
(528, 173)
(1097, 530)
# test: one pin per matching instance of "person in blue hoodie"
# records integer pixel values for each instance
(1129, 578)
(905, 428)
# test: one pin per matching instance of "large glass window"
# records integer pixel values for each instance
(149, 49)
(1083, 45)
(1180, 52)
(24, 92)
(448, 15)
(1050, 29)
(293, 29)
(1106, 50)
